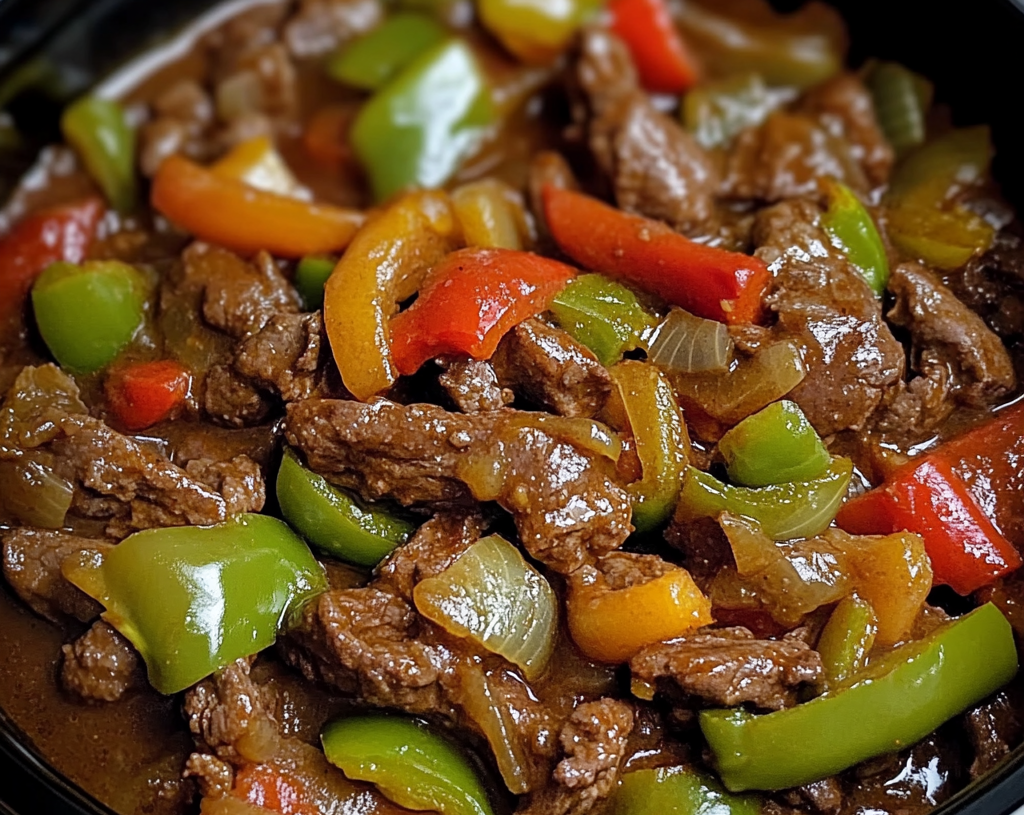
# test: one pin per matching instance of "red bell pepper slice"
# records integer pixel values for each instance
(706, 281)
(658, 51)
(61, 233)
(470, 301)
(269, 788)
(927, 497)
(142, 395)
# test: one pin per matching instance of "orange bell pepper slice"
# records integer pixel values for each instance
(141, 395)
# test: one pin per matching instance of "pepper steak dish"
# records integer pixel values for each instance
(509, 407)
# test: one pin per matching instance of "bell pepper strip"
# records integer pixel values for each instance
(257, 162)
(536, 32)
(612, 625)
(660, 56)
(146, 393)
(421, 126)
(490, 215)
(798, 509)
(407, 762)
(902, 100)
(706, 281)
(384, 266)
(603, 315)
(375, 59)
(942, 169)
(99, 132)
(945, 239)
(311, 276)
(892, 573)
(846, 640)
(928, 498)
(333, 520)
(853, 232)
(271, 789)
(59, 234)
(678, 791)
(470, 301)
(896, 701)
(87, 314)
(233, 214)
(660, 440)
(773, 446)
(193, 600)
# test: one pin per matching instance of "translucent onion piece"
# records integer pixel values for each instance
(33, 494)
(688, 344)
(492, 596)
(716, 112)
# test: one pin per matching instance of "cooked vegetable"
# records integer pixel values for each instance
(311, 276)
(265, 788)
(852, 230)
(798, 509)
(944, 239)
(898, 700)
(846, 641)
(34, 495)
(384, 266)
(704, 280)
(490, 215)
(603, 315)
(143, 394)
(88, 313)
(335, 521)
(105, 142)
(375, 59)
(420, 127)
(492, 596)
(661, 58)
(942, 169)
(687, 344)
(194, 599)
(716, 112)
(774, 446)
(927, 497)
(407, 763)
(257, 163)
(534, 31)
(902, 100)
(678, 791)
(235, 215)
(325, 136)
(470, 300)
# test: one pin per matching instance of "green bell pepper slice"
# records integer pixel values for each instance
(333, 520)
(310, 279)
(902, 100)
(535, 30)
(678, 791)
(99, 132)
(853, 231)
(409, 764)
(894, 703)
(422, 125)
(798, 509)
(194, 599)
(603, 315)
(774, 446)
(87, 314)
(374, 60)
(847, 640)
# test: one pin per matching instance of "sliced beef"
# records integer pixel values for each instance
(728, 667)
(239, 480)
(214, 776)
(231, 400)
(993, 283)
(472, 385)
(320, 26)
(32, 567)
(656, 168)
(594, 744)
(565, 500)
(825, 796)
(101, 665)
(994, 728)
(824, 304)
(284, 357)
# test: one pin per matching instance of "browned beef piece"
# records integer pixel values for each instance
(565, 500)
(729, 667)
(101, 665)
(656, 167)
(825, 796)
(546, 366)
(215, 777)
(993, 284)
(284, 357)
(32, 561)
(231, 400)
(825, 305)
(320, 26)
(594, 744)
(705, 548)
(472, 385)
(181, 114)
(994, 729)
(239, 481)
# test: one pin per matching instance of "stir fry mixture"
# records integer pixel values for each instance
(550, 408)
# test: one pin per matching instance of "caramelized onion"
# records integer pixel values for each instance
(33, 494)
(688, 344)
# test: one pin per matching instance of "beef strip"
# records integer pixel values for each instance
(728, 667)
(565, 500)
(547, 367)
(32, 567)
(239, 480)
(231, 400)
(994, 728)
(320, 26)
(284, 356)
(101, 665)
(824, 796)
(214, 776)
(993, 284)
(824, 304)
(472, 385)
(656, 168)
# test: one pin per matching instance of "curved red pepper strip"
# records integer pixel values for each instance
(658, 51)
(141, 395)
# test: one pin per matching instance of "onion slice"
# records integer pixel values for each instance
(688, 344)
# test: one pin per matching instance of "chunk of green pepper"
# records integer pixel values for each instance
(194, 599)
(773, 446)
(374, 60)
(847, 639)
(310, 278)
(535, 30)
(678, 791)
(421, 126)
(333, 520)
(407, 762)
(894, 703)
(853, 231)
(88, 313)
(99, 132)
(902, 100)
(798, 509)
(603, 315)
